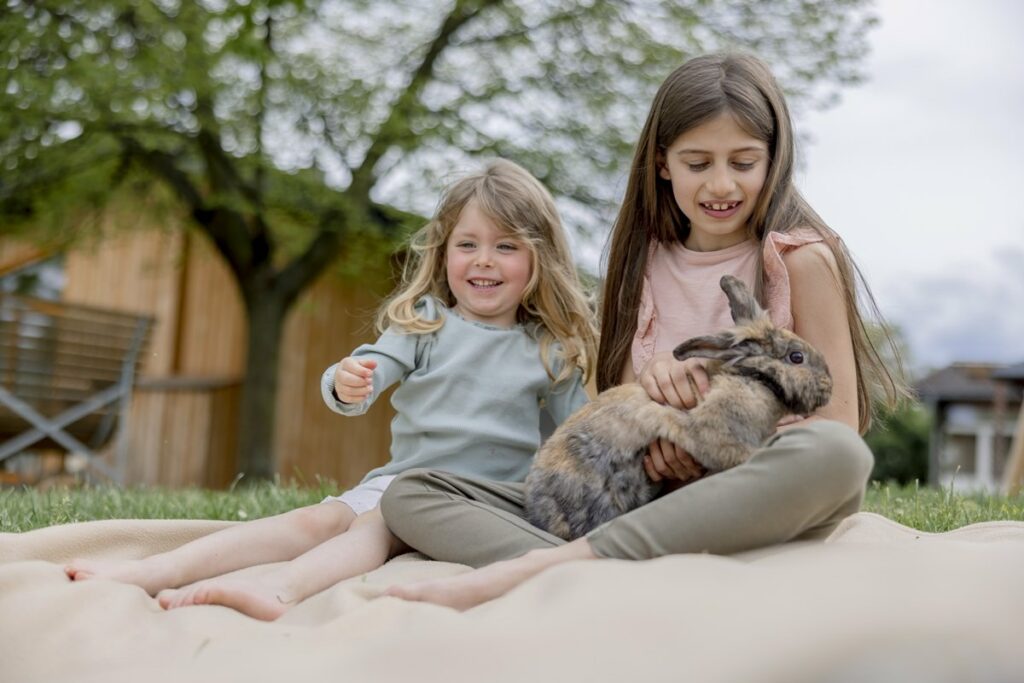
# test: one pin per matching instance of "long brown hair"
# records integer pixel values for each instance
(693, 94)
(553, 299)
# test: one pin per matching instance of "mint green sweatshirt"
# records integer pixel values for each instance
(470, 398)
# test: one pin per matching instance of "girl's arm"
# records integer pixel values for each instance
(679, 384)
(394, 356)
(566, 398)
(819, 316)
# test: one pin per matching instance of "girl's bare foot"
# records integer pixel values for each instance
(141, 573)
(257, 599)
(487, 583)
(470, 589)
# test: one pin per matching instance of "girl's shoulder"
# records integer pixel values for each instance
(792, 259)
(805, 254)
(783, 243)
(810, 260)
(423, 319)
(430, 309)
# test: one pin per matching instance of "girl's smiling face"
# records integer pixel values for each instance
(717, 171)
(488, 269)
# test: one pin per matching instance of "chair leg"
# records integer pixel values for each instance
(43, 427)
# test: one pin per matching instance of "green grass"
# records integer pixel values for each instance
(940, 510)
(23, 509)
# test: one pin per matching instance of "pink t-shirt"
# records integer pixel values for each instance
(681, 297)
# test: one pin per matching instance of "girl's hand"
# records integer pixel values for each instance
(666, 460)
(353, 379)
(680, 384)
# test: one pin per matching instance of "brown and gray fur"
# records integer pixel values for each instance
(591, 469)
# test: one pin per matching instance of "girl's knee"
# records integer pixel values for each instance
(844, 454)
(322, 520)
(368, 518)
(399, 491)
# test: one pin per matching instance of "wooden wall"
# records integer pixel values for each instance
(182, 431)
(15, 254)
(326, 324)
(183, 423)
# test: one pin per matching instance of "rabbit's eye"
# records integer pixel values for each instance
(796, 358)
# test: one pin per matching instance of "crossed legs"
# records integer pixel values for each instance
(799, 485)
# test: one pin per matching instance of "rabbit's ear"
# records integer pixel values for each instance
(742, 304)
(719, 346)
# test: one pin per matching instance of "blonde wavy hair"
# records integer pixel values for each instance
(553, 301)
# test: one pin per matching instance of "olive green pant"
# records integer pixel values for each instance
(799, 485)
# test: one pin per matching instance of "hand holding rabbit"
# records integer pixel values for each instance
(674, 383)
(668, 461)
(592, 467)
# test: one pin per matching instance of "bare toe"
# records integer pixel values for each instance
(149, 576)
(79, 569)
(174, 598)
(251, 598)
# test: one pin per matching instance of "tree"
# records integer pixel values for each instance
(898, 438)
(899, 433)
(289, 128)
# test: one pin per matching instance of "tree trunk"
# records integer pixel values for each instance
(259, 389)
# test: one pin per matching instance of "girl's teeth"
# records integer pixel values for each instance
(484, 283)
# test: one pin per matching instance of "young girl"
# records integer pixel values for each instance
(710, 192)
(489, 327)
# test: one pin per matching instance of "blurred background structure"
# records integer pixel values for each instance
(978, 423)
(243, 173)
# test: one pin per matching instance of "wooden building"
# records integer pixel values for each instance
(183, 423)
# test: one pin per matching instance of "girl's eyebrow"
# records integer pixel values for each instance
(751, 148)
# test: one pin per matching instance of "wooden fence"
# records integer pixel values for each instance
(183, 424)
(183, 431)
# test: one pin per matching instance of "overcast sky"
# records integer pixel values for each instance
(921, 170)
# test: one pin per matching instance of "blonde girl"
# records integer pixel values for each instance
(489, 327)
(710, 192)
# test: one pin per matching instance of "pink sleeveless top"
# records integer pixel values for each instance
(681, 297)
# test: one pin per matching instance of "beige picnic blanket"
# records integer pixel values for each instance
(876, 602)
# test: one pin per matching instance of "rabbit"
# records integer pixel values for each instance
(591, 468)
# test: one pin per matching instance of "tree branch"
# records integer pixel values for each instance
(163, 166)
(224, 176)
(250, 243)
(224, 226)
(40, 180)
(305, 268)
(393, 129)
(259, 175)
(497, 38)
(326, 247)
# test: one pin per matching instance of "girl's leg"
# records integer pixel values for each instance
(271, 539)
(801, 484)
(365, 546)
(482, 523)
(458, 519)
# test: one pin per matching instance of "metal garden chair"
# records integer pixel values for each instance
(66, 376)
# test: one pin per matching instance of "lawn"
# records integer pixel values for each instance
(25, 509)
